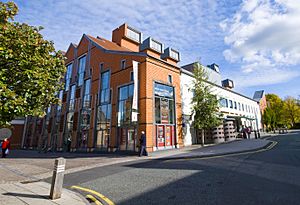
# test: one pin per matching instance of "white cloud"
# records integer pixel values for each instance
(185, 25)
(263, 36)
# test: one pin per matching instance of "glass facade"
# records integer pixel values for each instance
(164, 104)
(60, 97)
(164, 107)
(81, 69)
(103, 113)
(87, 94)
(68, 76)
(125, 105)
(72, 98)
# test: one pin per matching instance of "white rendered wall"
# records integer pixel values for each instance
(186, 82)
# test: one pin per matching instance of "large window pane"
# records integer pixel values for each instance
(81, 69)
(130, 90)
(105, 80)
(60, 96)
(72, 98)
(125, 104)
(171, 111)
(157, 110)
(68, 76)
(85, 119)
(163, 90)
(164, 108)
(103, 113)
(87, 91)
(123, 93)
(127, 111)
(121, 112)
(108, 114)
(164, 104)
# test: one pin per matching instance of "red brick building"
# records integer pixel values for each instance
(99, 110)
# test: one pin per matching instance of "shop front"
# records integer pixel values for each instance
(164, 116)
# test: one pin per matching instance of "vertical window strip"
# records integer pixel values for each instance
(81, 69)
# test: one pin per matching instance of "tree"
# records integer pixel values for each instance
(291, 111)
(205, 104)
(275, 104)
(31, 69)
(268, 118)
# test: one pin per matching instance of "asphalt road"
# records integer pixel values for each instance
(271, 177)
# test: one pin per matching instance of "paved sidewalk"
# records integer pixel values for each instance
(36, 193)
(30, 166)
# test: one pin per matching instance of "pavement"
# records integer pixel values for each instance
(22, 173)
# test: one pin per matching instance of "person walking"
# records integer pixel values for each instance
(244, 130)
(143, 145)
(249, 132)
(5, 147)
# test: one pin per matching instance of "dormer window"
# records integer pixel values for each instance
(156, 45)
(171, 53)
(133, 34)
(174, 54)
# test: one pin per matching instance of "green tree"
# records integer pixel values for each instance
(268, 118)
(205, 104)
(275, 104)
(31, 69)
(291, 111)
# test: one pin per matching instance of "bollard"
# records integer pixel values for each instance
(57, 178)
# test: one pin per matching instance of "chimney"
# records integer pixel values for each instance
(171, 56)
(152, 47)
(127, 37)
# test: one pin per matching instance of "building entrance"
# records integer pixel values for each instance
(128, 138)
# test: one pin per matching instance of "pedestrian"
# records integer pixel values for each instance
(5, 147)
(143, 150)
(69, 142)
(249, 132)
(244, 130)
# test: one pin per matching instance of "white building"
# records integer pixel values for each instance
(234, 106)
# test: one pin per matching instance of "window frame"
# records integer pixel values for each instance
(123, 64)
(68, 76)
(80, 73)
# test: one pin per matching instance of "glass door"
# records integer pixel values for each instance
(131, 139)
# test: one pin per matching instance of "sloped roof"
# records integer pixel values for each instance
(108, 45)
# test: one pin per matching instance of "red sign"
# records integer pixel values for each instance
(160, 136)
(168, 135)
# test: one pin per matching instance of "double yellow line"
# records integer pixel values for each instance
(91, 197)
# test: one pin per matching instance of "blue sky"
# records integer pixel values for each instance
(256, 43)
